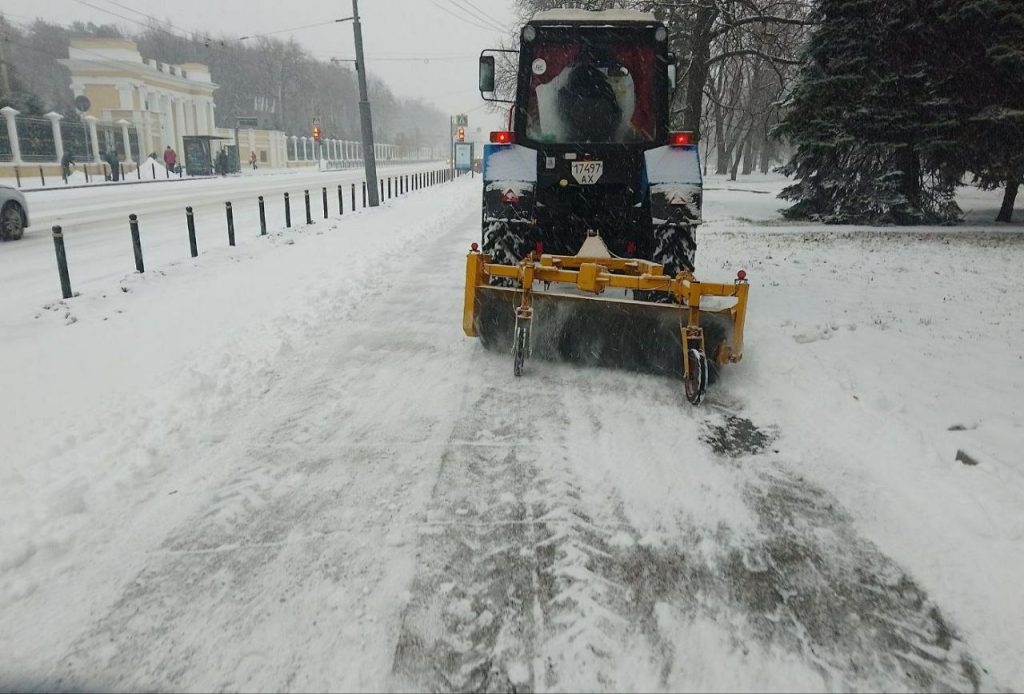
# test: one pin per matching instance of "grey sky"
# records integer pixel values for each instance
(421, 48)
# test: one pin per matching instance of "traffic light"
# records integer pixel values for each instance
(462, 134)
(316, 133)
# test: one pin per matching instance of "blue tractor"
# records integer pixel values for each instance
(589, 186)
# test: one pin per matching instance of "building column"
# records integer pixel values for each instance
(147, 125)
(190, 117)
(91, 121)
(12, 133)
(58, 140)
(252, 142)
(294, 154)
(127, 141)
(167, 113)
(179, 127)
(211, 113)
(305, 152)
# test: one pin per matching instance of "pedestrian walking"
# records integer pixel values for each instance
(170, 158)
(66, 162)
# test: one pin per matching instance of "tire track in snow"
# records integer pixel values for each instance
(543, 578)
(290, 574)
(804, 584)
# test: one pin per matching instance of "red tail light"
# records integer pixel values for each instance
(680, 139)
(503, 137)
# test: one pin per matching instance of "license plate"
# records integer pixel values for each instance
(587, 173)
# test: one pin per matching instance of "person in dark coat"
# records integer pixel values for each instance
(114, 164)
(66, 162)
(222, 163)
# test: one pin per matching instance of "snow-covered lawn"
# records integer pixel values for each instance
(282, 465)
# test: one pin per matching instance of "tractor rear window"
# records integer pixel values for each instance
(591, 92)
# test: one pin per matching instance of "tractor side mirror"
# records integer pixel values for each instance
(487, 73)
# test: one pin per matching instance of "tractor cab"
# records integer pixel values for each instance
(590, 106)
(587, 81)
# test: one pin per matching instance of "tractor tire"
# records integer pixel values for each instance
(504, 246)
(675, 247)
(12, 223)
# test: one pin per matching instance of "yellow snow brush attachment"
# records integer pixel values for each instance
(679, 326)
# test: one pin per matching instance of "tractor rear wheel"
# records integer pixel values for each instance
(505, 247)
(675, 246)
(674, 249)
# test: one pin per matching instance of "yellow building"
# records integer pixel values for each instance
(164, 102)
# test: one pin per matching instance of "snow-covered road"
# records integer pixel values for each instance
(96, 232)
(282, 467)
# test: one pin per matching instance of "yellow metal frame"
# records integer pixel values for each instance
(595, 275)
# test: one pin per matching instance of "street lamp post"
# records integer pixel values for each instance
(365, 118)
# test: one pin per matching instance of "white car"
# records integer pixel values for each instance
(13, 214)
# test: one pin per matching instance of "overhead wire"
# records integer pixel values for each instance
(459, 17)
(462, 5)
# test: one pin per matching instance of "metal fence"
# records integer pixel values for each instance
(35, 138)
(5, 144)
(76, 140)
(35, 135)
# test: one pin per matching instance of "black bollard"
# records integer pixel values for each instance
(138, 172)
(152, 169)
(190, 220)
(231, 223)
(353, 197)
(62, 262)
(133, 223)
(364, 194)
(17, 175)
(42, 179)
(263, 218)
(341, 201)
(325, 203)
(120, 167)
(382, 189)
(309, 216)
(287, 211)
(389, 187)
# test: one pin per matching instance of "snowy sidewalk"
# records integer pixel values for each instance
(284, 467)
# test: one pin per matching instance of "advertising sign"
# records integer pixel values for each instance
(463, 156)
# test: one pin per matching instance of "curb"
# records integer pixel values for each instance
(111, 184)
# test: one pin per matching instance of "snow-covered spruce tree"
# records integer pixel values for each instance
(983, 75)
(866, 120)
